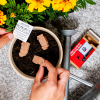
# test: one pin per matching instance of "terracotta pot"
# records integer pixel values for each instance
(17, 70)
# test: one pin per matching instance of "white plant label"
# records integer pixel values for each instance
(85, 48)
(22, 31)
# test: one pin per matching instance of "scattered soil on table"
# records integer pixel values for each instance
(25, 63)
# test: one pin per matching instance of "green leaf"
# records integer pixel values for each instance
(2, 26)
(81, 1)
(10, 3)
(41, 17)
(51, 17)
(35, 12)
(55, 14)
(18, 6)
(90, 2)
(8, 21)
(1, 7)
(6, 5)
(13, 3)
(13, 20)
(50, 9)
(48, 13)
(44, 13)
(25, 9)
(9, 27)
(41, 13)
(30, 21)
(21, 10)
(23, 5)
(84, 3)
(80, 6)
(9, 10)
(66, 14)
(78, 2)
(9, 30)
(35, 19)
(75, 9)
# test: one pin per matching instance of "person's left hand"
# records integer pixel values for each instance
(5, 37)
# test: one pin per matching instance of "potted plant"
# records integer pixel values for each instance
(35, 11)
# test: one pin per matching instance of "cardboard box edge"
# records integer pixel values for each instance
(74, 64)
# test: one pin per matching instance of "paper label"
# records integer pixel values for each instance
(86, 47)
(22, 31)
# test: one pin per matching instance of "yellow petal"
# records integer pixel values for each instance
(64, 5)
(47, 3)
(31, 7)
(2, 22)
(28, 1)
(3, 2)
(1, 13)
(12, 15)
(55, 5)
(67, 8)
(1, 16)
(4, 18)
(41, 9)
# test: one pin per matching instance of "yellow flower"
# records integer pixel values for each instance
(64, 5)
(38, 4)
(12, 15)
(3, 18)
(3, 2)
(55, 4)
(28, 1)
(1, 12)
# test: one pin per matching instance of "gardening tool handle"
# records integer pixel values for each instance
(66, 61)
(81, 80)
(66, 58)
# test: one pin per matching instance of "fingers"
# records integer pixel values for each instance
(5, 39)
(39, 75)
(2, 31)
(63, 77)
(52, 75)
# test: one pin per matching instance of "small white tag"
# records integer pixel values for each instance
(85, 48)
(22, 31)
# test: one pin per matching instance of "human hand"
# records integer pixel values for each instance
(54, 88)
(5, 37)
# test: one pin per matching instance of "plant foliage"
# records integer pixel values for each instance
(19, 11)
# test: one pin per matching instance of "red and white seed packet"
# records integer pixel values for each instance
(84, 48)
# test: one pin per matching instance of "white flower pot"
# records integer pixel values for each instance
(17, 70)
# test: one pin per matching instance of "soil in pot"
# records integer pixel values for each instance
(25, 63)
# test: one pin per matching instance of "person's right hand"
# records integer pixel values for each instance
(54, 88)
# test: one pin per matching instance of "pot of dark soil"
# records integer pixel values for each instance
(24, 66)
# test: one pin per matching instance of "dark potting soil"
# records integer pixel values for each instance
(25, 63)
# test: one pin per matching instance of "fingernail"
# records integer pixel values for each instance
(10, 36)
